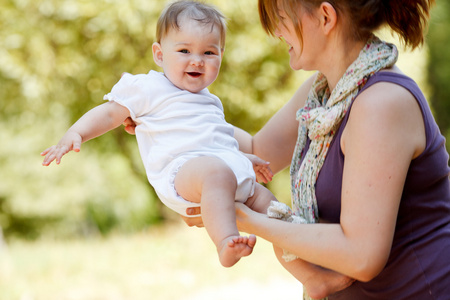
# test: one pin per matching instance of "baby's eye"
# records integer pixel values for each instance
(209, 53)
(185, 51)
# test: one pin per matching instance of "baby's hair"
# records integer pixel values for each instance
(198, 11)
(408, 18)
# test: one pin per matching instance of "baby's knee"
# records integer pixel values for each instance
(219, 172)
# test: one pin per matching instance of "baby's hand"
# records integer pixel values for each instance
(261, 167)
(70, 141)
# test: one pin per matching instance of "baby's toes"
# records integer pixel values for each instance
(251, 240)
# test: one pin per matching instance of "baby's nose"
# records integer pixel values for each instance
(197, 60)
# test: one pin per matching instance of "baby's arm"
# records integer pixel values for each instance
(261, 167)
(95, 122)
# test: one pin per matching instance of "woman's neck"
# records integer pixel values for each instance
(341, 58)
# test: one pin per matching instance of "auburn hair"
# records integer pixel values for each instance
(408, 18)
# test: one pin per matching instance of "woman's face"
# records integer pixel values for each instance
(303, 53)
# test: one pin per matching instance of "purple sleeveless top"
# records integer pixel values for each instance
(419, 264)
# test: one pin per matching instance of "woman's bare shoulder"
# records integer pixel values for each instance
(390, 107)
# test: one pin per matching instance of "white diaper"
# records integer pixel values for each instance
(238, 163)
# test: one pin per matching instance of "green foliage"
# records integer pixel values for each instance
(57, 60)
(25, 226)
(439, 66)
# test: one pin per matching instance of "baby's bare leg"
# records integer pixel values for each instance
(210, 182)
(260, 200)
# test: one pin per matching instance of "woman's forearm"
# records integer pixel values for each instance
(314, 243)
(317, 281)
(259, 145)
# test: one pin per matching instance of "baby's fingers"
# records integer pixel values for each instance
(264, 174)
(44, 153)
(49, 154)
(267, 173)
(261, 178)
(76, 147)
(54, 153)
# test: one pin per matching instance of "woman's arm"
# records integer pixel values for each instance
(317, 281)
(384, 133)
(275, 142)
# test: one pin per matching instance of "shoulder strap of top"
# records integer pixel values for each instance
(409, 84)
(401, 80)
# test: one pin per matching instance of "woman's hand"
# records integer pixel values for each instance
(243, 214)
(195, 221)
(130, 126)
(246, 218)
(317, 281)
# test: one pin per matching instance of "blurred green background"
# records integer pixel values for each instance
(57, 60)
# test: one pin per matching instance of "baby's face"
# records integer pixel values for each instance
(190, 56)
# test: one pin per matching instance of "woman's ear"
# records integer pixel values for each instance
(328, 17)
(157, 54)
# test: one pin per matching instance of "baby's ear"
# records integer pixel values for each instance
(157, 54)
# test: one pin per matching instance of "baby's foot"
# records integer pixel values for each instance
(234, 247)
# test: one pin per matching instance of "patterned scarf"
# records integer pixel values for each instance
(322, 115)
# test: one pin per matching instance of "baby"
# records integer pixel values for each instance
(189, 151)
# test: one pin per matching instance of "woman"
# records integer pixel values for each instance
(368, 163)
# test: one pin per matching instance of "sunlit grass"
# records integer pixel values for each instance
(170, 262)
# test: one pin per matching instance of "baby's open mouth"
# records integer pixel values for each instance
(194, 74)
